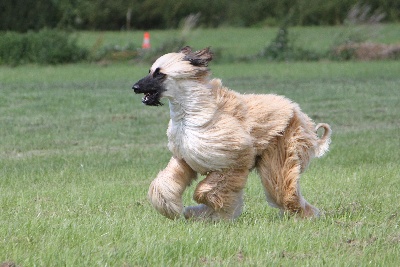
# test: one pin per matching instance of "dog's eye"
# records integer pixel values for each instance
(157, 73)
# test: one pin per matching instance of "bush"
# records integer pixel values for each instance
(43, 47)
(283, 49)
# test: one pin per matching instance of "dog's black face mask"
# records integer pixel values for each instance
(152, 87)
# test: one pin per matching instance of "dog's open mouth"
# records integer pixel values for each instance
(152, 99)
(152, 88)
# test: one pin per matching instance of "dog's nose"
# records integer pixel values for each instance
(135, 87)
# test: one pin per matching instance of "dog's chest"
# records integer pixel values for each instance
(184, 143)
(175, 135)
(208, 148)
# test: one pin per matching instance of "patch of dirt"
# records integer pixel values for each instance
(395, 239)
(368, 51)
(294, 255)
(8, 264)
(361, 243)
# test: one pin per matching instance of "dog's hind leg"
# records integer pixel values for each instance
(165, 193)
(220, 196)
(280, 167)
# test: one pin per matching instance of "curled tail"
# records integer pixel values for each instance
(324, 141)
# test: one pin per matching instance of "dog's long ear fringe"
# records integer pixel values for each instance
(199, 58)
(186, 50)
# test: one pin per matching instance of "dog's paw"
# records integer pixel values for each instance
(199, 212)
(205, 213)
(310, 211)
(164, 200)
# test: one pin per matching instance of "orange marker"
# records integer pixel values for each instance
(146, 41)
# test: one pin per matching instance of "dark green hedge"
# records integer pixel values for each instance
(24, 15)
(43, 47)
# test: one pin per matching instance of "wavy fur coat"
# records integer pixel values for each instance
(224, 135)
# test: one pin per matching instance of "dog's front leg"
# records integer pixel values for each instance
(165, 192)
(220, 196)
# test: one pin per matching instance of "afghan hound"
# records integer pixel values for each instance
(223, 135)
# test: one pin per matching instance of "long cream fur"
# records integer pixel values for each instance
(223, 135)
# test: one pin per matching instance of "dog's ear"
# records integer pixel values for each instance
(199, 58)
(186, 50)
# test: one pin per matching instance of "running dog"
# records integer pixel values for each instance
(223, 135)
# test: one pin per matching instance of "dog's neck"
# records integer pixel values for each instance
(191, 102)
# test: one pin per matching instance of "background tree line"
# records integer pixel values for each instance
(24, 15)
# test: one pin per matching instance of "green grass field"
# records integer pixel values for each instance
(78, 151)
(239, 42)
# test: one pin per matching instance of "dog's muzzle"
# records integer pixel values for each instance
(150, 98)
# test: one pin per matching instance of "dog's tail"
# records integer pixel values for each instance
(324, 141)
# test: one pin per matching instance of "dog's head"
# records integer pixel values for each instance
(169, 68)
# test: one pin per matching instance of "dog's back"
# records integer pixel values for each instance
(264, 117)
